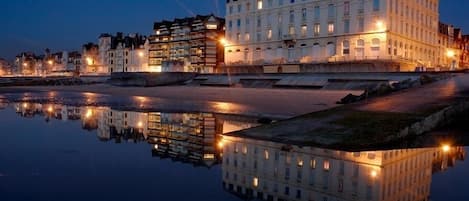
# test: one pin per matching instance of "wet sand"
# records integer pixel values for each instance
(290, 102)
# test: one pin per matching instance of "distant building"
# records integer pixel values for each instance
(5, 67)
(91, 60)
(464, 46)
(28, 64)
(192, 41)
(270, 32)
(127, 53)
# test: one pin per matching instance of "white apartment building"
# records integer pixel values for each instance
(263, 32)
(274, 171)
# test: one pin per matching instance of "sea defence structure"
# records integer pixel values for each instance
(373, 122)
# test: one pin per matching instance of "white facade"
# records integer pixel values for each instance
(318, 31)
(275, 171)
(128, 59)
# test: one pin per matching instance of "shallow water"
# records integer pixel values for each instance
(51, 151)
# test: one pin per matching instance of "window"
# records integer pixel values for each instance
(259, 4)
(303, 14)
(346, 26)
(312, 163)
(269, 34)
(376, 5)
(346, 47)
(331, 10)
(292, 16)
(347, 8)
(330, 28)
(259, 21)
(239, 8)
(291, 30)
(266, 154)
(317, 29)
(247, 36)
(300, 162)
(317, 12)
(361, 6)
(304, 30)
(327, 165)
(361, 25)
(255, 182)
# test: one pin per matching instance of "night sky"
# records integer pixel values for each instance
(67, 24)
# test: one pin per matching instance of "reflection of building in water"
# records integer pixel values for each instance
(274, 171)
(28, 110)
(447, 157)
(188, 137)
(122, 125)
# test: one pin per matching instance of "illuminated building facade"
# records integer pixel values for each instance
(126, 53)
(91, 61)
(188, 44)
(186, 137)
(274, 171)
(267, 32)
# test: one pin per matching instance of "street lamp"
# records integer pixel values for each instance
(380, 26)
(224, 42)
(89, 61)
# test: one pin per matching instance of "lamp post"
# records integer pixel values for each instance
(451, 55)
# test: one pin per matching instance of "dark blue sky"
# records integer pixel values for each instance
(67, 24)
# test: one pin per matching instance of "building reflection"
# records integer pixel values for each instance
(262, 170)
(185, 137)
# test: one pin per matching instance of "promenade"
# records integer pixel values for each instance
(371, 122)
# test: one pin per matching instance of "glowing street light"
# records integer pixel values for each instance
(380, 25)
(89, 61)
(224, 42)
(446, 148)
(450, 53)
(25, 64)
(140, 54)
(50, 109)
(50, 62)
(373, 173)
(89, 113)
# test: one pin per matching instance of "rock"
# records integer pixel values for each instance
(350, 98)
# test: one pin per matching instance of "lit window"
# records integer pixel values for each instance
(312, 163)
(266, 154)
(330, 27)
(327, 166)
(300, 162)
(259, 4)
(269, 34)
(212, 26)
(291, 30)
(255, 182)
(317, 29)
(245, 149)
(304, 30)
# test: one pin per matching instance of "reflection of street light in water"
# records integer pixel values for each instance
(50, 109)
(446, 148)
(89, 113)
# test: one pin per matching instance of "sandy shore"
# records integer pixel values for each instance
(284, 101)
